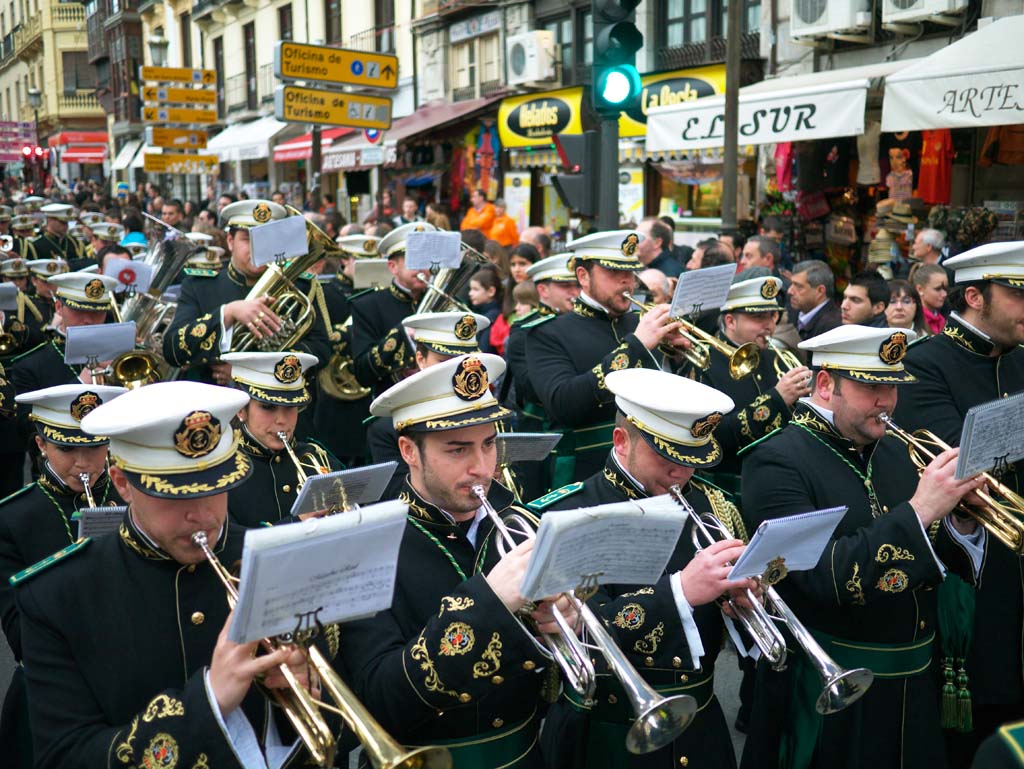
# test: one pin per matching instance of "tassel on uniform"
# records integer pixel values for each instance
(965, 721)
(948, 711)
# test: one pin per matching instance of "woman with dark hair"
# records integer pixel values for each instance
(904, 308)
(486, 295)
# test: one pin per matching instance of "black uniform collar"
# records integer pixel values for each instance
(139, 542)
(55, 485)
(235, 276)
(805, 416)
(587, 311)
(428, 513)
(619, 480)
(966, 337)
(254, 448)
(400, 293)
(344, 280)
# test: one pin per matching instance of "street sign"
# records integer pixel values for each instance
(176, 138)
(180, 95)
(178, 115)
(372, 135)
(308, 105)
(339, 66)
(178, 75)
(179, 164)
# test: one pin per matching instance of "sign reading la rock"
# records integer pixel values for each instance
(309, 105)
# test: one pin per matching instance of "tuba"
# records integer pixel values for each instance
(445, 284)
(338, 378)
(305, 713)
(290, 303)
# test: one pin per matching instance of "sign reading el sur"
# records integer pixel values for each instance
(532, 119)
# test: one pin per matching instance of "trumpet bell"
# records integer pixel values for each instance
(660, 724)
(431, 757)
(844, 689)
(744, 361)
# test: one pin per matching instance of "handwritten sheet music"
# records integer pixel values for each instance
(992, 437)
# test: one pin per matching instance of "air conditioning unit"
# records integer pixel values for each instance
(818, 18)
(531, 57)
(919, 10)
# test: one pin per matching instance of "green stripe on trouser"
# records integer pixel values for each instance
(593, 438)
(803, 727)
(499, 749)
(610, 720)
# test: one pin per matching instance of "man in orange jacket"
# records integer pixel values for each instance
(480, 215)
(504, 229)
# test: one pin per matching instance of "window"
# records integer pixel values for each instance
(332, 20)
(685, 22)
(78, 75)
(751, 16)
(249, 36)
(218, 67)
(587, 36)
(284, 22)
(384, 21)
(185, 23)
(563, 42)
(490, 61)
(476, 67)
(464, 66)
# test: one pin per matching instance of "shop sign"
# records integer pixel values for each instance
(966, 101)
(474, 27)
(671, 88)
(358, 158)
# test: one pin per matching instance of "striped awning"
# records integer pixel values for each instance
(84, 153)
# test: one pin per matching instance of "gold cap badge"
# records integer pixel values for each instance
(83, 404)
(198, 434)
(893, 349)
(470, 379)
(465, 328)
(288, 369)
(769, 289)
(629, 245)
(261, 214)
(704, 427)
(94, 289)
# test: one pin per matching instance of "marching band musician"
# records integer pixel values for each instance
(14, 270)
(977, 358)
(380, 348)
(277, 388)
(37, 520)
(764, 401)
(568, 356)
(54, 243)
(449, 663)
(184, 695)
(41, 270)
(6, 212)
(24, 324)
(665, 429)
(24, 228)
(871, 600)
(210, 306)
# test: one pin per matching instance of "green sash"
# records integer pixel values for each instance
(803, 726)
(584, 439)
(498, 749)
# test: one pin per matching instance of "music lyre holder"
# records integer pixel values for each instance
(92, 362)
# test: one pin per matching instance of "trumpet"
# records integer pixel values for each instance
(1001, 517)
(743, 360)
(305, 713)
(841, 687)
(89, 500)
(659, 720)
(315, 461)
(785, 359)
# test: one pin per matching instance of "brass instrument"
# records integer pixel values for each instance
(288, 302)
(743, 360)
(659, 720)
(785, 359)
(315, 461)
(84, 477)
(306, 714)
(1001, 517)
(338, 378)
(841, 687)
(444, 285)
(8, 344)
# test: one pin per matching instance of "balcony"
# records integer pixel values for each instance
(28, 37)
(67, 16)
(707, 52)
(235, 92)
(83, 104)
(377, 39)
(267, 82)
(492, 88)
(97, 39)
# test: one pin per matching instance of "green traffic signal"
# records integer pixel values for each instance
(618, 85)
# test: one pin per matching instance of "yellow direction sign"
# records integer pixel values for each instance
(179, 164)
(178, 75)
(180, 95)
(308, 105)
(340, 66)
(176, 138)
(178, 115)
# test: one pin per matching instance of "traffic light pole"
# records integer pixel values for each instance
(608, 191)
(730, 159)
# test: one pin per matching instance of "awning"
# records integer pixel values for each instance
(428, 117)
(140, 158)
(84, 153)
(976, 81)
(77, 137)
(246, 141)
(125, 155)
(819, 105)
(301, 147)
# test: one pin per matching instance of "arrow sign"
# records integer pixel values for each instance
(179, 164)
(178, 115)
(335, 66)
(176, 138)
(178, 75)
(179, 95)
(308, 105)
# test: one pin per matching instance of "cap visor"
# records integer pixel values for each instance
(68, 436)
(708, 455)
(224, 476)
(874, 377)
(275, 397)
(456, 421)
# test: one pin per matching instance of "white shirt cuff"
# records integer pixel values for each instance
(237, 730)
(928, 542)
(277, 752)
(686, 617)
(225, 333)
(973, 543)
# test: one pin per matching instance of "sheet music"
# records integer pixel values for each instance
(424, 250)
(278, 240)
(99, 521)
(371, 273)
(100, 342)
(129, 274)
(323, 570)
(627, 542)
(701, 290)
(799, 539)
(992, 437)
(332, 491)
(525, 447)
(8, 297)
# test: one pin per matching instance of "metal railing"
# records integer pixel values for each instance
(491, 87)
(266, 83)
(709, 51)
(379, 39)
(235, 95)
(464, 94)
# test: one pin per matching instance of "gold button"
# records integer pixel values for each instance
(464, 698)
(1006, 395)
(922, 625)
(497, 723)
(676, 662)
(885, 508)
(286, 488)
(684, 761)
(684, 678)
(758, 377)
(198, 618)
(612, 699)
(529, 665)
(277, 460)
(497, 680)
(83, 498)
(191, 568)
(648, 661)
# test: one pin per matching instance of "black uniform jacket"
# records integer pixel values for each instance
(644, 620)
(568, 358)
(39, 368)
(447, 660)
(955, 372)
(34, 523)
(268, 494)
(517, 380)
(380, 345)
(194, 335)
(49, 246)
(117, 639)
(874, 584)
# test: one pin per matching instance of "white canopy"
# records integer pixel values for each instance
(140, 157)
(125, 155)
(246, 141)
(819, 105)
(976, 81)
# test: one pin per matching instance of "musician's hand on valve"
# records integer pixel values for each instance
(507, 575)
(234, 667)
(794, 384)
(938, 492)
(253, 314)
(543, 615)
(706, 576)
(656, 327)
(298, 664)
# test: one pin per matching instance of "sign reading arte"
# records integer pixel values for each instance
(526, 121)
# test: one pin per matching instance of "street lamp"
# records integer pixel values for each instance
(35, 100)
(158, 49)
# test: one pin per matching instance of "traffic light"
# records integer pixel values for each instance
(580, 155)
(616, 40)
